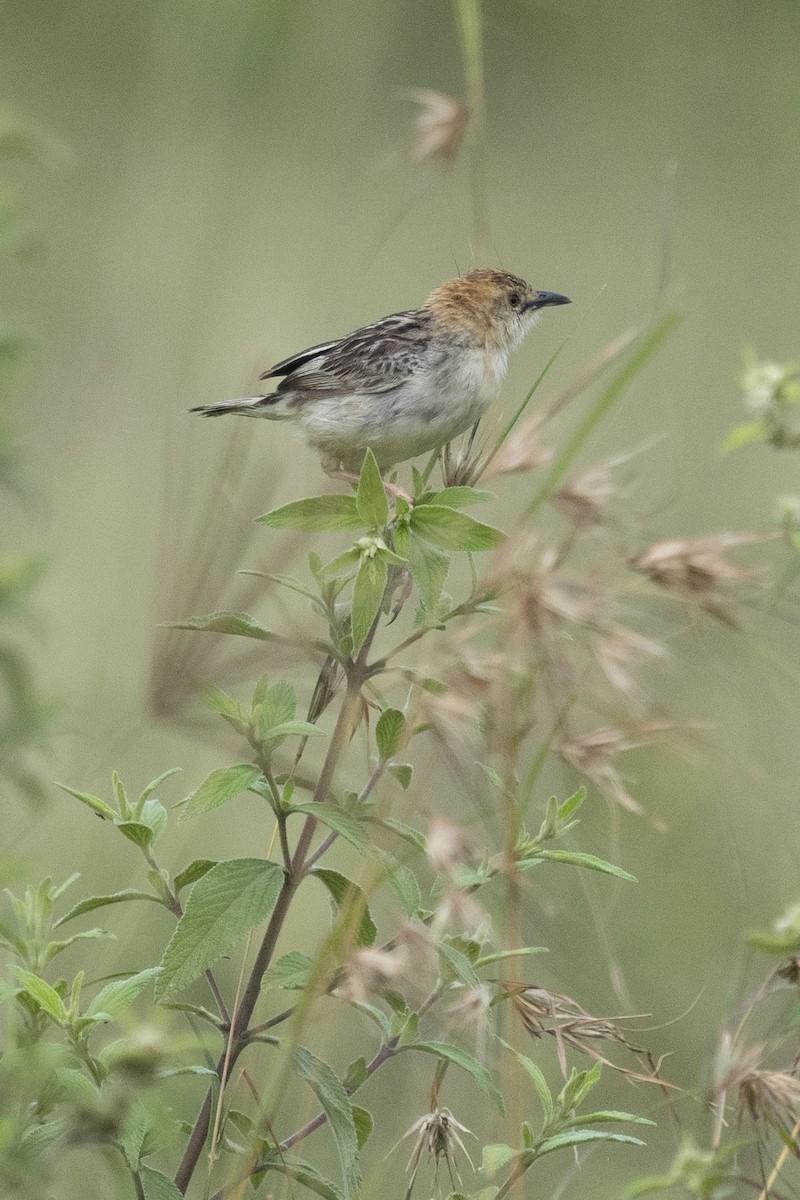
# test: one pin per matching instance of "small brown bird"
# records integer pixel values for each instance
(408, 383)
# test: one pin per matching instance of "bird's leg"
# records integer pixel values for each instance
(334, 470)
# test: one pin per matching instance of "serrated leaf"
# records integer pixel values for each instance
(157, 1186)
(349, 827)
(43, 995)
(579, 860)
(238, 623)
(116, 997)
(336, 1104)
(373, 507)
(135, 1130)
(461, 1058)
(93, 802)
(428, 567)
(460, 497)
(315, 514)
(291, 729)
(347, 895)
(93, 902)
(278, 705)
(291, 972)
(389, 731)
(452, 530)
(223, 704)
(368, 593)
(221, 785)
(227, 902)
(195, 870)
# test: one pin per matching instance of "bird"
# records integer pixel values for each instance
(409, 382)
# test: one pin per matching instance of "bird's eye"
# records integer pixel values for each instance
(515, 299)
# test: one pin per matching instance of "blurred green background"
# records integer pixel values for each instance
(229, 200)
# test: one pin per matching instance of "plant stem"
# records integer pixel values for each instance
(238, 1036)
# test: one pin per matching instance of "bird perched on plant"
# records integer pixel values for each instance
(408, 383)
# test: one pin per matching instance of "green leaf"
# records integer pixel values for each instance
(389, 731)
(579, 860)
(238, 623)
(291, 972)
(348, 895)
(137, 832)
(577, 1087)
(308, 1176)
(195, 870)
(336, 1104)
(349, 827)
(451, 530)
(414, 837)
(403, 773)
(364, 1124)
(136, 1129)
(581, 1137)
(609, 1114)
(496, 1156)
(277, 706)
(459, 965)
(93, 802)
(154, 783)
(743, 435)
(356, 1075)
(290, 729)
(43, 995)
(537, 1079)
(373, 507)
(315, 514)
(368, 592)
(116, 997)
(93, 902)
(156, 1185)
(459, 497)
(154, 816)
(223, 704)
(403, 883)
(221, 785)
(428, 568)
(461, 1058)
(227, 902)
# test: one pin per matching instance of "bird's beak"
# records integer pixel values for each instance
(542, 299)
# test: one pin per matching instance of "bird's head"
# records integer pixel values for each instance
(492, 308)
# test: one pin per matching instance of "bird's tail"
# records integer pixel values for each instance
(247, 406)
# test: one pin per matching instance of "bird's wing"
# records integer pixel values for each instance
(373, 359)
